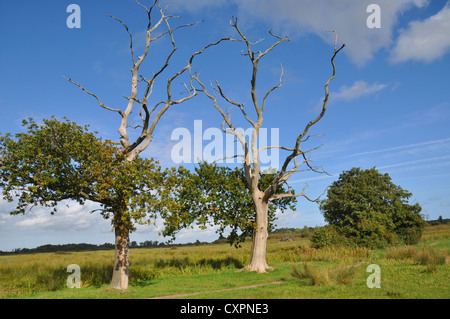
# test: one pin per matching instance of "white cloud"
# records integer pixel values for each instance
(297, 17)
(425, 40)
(347, 17)
(70, 216)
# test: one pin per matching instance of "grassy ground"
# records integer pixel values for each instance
(420, 271)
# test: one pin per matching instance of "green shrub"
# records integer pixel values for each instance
(410, 236)
(326, 236)
(369, 210)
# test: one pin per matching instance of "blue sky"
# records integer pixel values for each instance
(389, 103)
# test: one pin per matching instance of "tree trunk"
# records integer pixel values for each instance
(121, 259)
(258, 260)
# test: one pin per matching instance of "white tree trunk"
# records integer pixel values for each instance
(121, 260)
(258, 260)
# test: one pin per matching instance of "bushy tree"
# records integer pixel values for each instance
(60, 161)
(219, 195)
(365, 208)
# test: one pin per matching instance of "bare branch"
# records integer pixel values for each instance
(241, 106)
(278, 196)
(325, 101)
(131, 149)
(129, 33)
(228, 157)
(95, 96)
(311, 123)
(272, 89)
(146, 9)
(178, 27)
(275, 146)
(283, 175)
(280, 39)
(143, 135)
(313, 135)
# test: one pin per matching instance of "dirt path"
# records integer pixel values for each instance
(220, 290)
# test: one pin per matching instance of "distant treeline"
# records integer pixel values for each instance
(439, 221)
(303, 232)
(91, 247)
(59, 248)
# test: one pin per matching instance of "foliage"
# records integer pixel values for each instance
(304, 232)
(327, 236)
(219, 195)
(60, 161)
(366, 208)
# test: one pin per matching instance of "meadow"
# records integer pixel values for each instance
(212, 271)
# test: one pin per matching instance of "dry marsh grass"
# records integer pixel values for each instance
(324, 276)
(427, 256)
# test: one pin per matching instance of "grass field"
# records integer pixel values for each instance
(211, 271)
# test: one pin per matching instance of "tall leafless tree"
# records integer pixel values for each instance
(297, 156)
(150, 115)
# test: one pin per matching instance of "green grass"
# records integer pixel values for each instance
(420, 271)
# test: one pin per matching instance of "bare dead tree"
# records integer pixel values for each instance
(150, 115)
(297, 156)
(133, 148)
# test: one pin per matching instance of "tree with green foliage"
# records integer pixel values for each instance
(143, 84)
(216, 195)
(365, 208)
(60, 161)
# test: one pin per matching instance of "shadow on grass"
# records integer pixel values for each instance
(216, 264)
(143, 276)
(141, 283)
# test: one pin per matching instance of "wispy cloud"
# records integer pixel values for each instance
(357, 90)
(401, 147)
(309, 179)
(349, 93)
(428, 116)
(423, 160)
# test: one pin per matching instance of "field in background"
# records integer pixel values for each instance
(420, 271)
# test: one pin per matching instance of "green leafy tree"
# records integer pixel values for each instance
(60, 161)
(219, 195)
(144, 82)
(367, 209)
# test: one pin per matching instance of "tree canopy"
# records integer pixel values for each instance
(60, 160)
(219, 195)
(368, 209)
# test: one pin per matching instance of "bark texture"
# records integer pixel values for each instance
(258, 261)
(121, 260)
